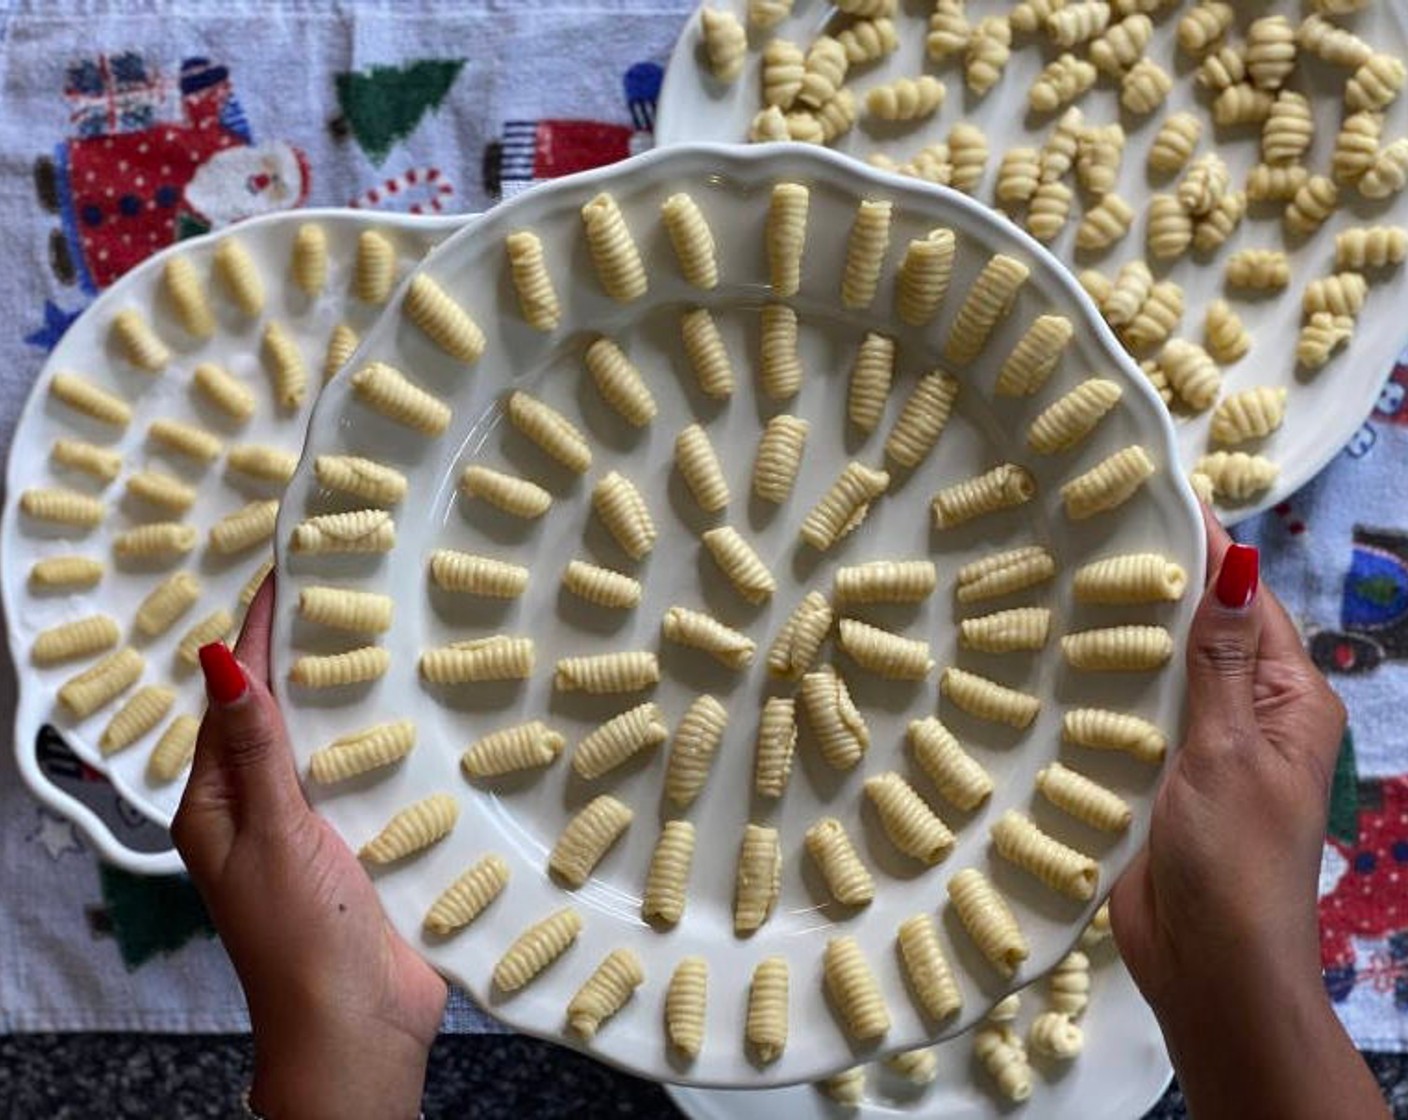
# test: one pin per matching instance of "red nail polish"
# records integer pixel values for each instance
(224, 679)
(1236, 582)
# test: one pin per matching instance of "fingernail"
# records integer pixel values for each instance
(224, 679)
(1236, 582)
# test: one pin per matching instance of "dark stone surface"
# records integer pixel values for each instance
(486, 1077)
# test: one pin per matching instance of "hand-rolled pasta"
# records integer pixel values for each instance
(375, 270)
(83, 396)
(1068, 421)
(841, 734)
(865, 253)
(251, 525)
(614, 254)
(912, 826)
(308, 260)
(1251, 414)
(186, 439)
(1003, 487)
(1054, 1036)
(839, 863)
(905, 99)
(738, 561)
(524, 746)
(605, 992)
(930, 978)
(854, 990)
(1365, 247)
(1018, 176)
(363, 478)
(1260, 270)
(1228, 340)
(537, 298)
(587, 837)
(146, 708)
(1108, 484)
(173, 751)
(957, 776)
(775, 746)
(498, 657)
(619, 382)
(1170, 229)
(1144, 87)
(161, 489)
(766, 1027)
(989, 300)
(1060, 867)
(1069, 984)
(885, 653)
(442, 320)
(692, 240)
(1114, 731)
(284, 363)
(358, 530)
(139, 342)
(781, 365)
(1312, 206)
(536, 948)
(356, 666)
(1003, 573)
(607, 673)
(825, 71)
(843, 507)
(469, 574)
(1130, 293)
(987, 52)
(988, 920)
(623, 511)
(619, 740)
(101, 463)
(1000, 1050)
(272, 464)
(412, 829)
(1341, 294)
(949, 30)
(467, 897)
(886, 581)
(69, 640)
(386, 390)
(1375, 84)
(342, 344)
(700, 468)
(1135, 577)
(101, 683)
(506, 492)
(1084, 799)
(686, 1001)
(63, 572)
(1175, 143)
(1237, 476)
(550, 430)
(701, 631)
(185, 292)
(1120, 648)
(922, 419)
(1321, 336)
(360, 612)
(725, 42)
(156, 539)
(786, 236)
(794, 649)
(779, 457)
(167, 602)
(986, 699)
(923, 277)
(361, 752)
(602, 586)
(1192, 373)
(692, 751)
(846, 1088)
(1157, 318)
(1020, 628)
(667, 881)
(1275, 184)
(1063, 80)
(1104, 223)
(758, 878)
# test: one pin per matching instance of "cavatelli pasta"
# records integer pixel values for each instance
(1063, 80)
(1388, 174)
(885, 653)
(1203, 25)
(623, 511)
(587, 836)
(1271, 51)
(442, 319)
(1114, 731)
(361, 612)
(156, 539)
(1099, 157)
(617, 260)
(923, 277)
(186, 439)
(854, 989)
(498, 657)
(1069, 420)
(1005, 486)
(725, 42)
(223, 391)
(701, 631)
(1242, 103)
(988, 920)
(374, 273)
(949, 30)
(1375, 84)
(1261, 270)
(987, 53)
(686, 1004)
(1128, 295)
(1275, 184)
(1144, 87)
(386, 390)
(1364, 247)
(871, 375)
(766, 1027)
(740, 563)
(467, 897)
(239, 275)
(101, 463)
(757, 878)
(839, 729)
(471, 574)
(360, 752)
(255, 581)
(1084, 799)
(1108, 484)
(620, 382)
(284, 363)
(356, 666)
(692, 750)
(1050, 208)
(83, 396)
(794, 649)
(869, 39)
(1035, 356)
(536, 948)
(958, 777)
(843, 507)
(779, 457)
(1058, 154)
(1122, 648)
(173, 751)
(967, 157)
(922, 419)
(537, 298)
(1018, 176)
(1002, 1054)
(839, 863)
(101, 683)
(988, 301)
(618, 740)
(930, 977)
(1215, 228)
(1123, 44)
(69, 640)
(1250, 414)
(1004, 573)
(986, 699)
(308, 260)
(362, 478)
(775, 746)
(360, 530)
(524, 746)
(506, 492)
(1320, 336)
(628, 671)
(912, 826)
(605, 992)
(667, 880)
(1226, 336)
(1169, 229)
(1288, 132)
(167, 602)
(1341, 294)
(781, 365)
(257, 460)
(342, 344)
(708, 357)
(846, 1088)
(825, 72)
(1068, 984)
(146, 708)
(784, 67)
(1133, 577)
(1059, 866)
(1175, 143)
(1312, 206)
(186, 294)
(786, 236)
(1357, 146)
(865, 253)
(886, 581)
(1019, 628)
(1237, 476)
(905, 99)
(1191, 372)
(1104, 223)
(602, 586)
(692, 240)
(65, 572)
(557, 436)
(1054, 1036)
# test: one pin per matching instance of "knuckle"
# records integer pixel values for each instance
(1226, 655)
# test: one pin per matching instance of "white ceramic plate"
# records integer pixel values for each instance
(522, 818)
(1120, 1075)
(86, 348)
(1324, 409)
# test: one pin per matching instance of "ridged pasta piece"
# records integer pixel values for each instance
(412, 829)
(101, 683)
(360, 530)
(497, 657)
(958, 777)
(557, 436)
(765, 1030)
(738, 561)
(361, 752)
(1170, 229)
(1108, 484)
(686, 1001)
(949, 30)
(701, 631)
(308, 260)
(1003, 573)
(825, 72)
(83, 396)
(1104, 223)
(1068, 985)
(1144, 87)
(342, 344)
(284, 363)
(69, 640)
(786, 236)
(871, 375)
(623, 511)
(868, 38)
(781, 365)
(784, 67)
(537, 298)
(605, 992)
(1018, 176)
(1084, 799)
(602, 586)
(174, 750)
(1049, 211)
(1275, 184)
(1122, 648)
(524, 746)
(757, 879)
(1250, 414)
(912, 826)
(708, 357)
(839, 729)
(1114, 731)
(1227, 337)
(1364, 247)
(506, 492)
(986, 699)
(725, 42)
(1321, 335)
(1375, 85)
(905, 99)
(1063, 80)
(692, 240)
(1060, 867)
(161, 489)
(1215, 228)
(374, 273)
(1020, 628)
(442, 319)
(186, 439)
(1069, 421)
(1058, 154)
(1259, 270)
(1099, 158)
(624, 671)
(1289, 130)
(843, 507)
(839, 863)
(1191, 372)
(360, 612)
(156, 539)
(692, 751)
(587, 837)
(1005, 486)
(1341, 294)
(699, 465)
(865, 253)
(614, 253)
(1129, 294)
(854, 989)
(846, 1088)
(779, 457)
(65, 572)
(667, 880)
(922, 419)
(930, 978)
(237, 272)
(386, 390)
(1175, 143)
(1157, 319)
(101, 463)
(620, 382)
(260, 461)
(1123, 44)
(167, 602)
(1203, 25)
(1158, 380)
(999, 1048)
(988, 302)
(139, 342)
(1136, 577)
(884, 653)
(251, 525)
(1237, 476)
(536, 948)
(1035, 356)
(886, 581)
(923, 277)
(467, 897)
(146, 708)
(1312, 206)
(988, 920)
(1054, 1036)
(185, 292)
(794, 650)
(356, 666)
(776, 743)
(469, 574)
(986, 55)
(1241, 103)
(1356, 146)
(618, 740)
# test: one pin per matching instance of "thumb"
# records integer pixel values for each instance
(1222, 651)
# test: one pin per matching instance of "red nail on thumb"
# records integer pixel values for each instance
(1237, 581)
(224, 679)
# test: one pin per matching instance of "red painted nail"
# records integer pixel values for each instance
(224, 679)
(1236, 582)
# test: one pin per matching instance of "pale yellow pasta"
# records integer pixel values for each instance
(883, 652)
(342, 344)
(471, 574)
(923, 279)
(173, 751)
(1357, 146)
(825, 71)
(988, 920)
(699, 465)
(779, 457)
(63, 572)
(62, 506)
(1003, 487)
(83, 396)
(361, 612)
(1035, 356)
(1329, 41)
(986, 699)
(587, 837)
(167, 602)
(1191, 372)
(1175, 143)
(701, 631)
(1213, 230)
(775, 745)
(356, 666)
(623, 671)
(1260, 270)
(536, 948)
(871, 375)
(708, 357)
(550, 430)
(667, 880)
(1363, 247)
(1289, 130)
(786, 236)
(1157, 319)
(794, 649)
(1059, 866)
(623, 511)
(784, 67)
(537, 298)
(912, 826)
(1388, 174)
(255, 581)
(865, 253)
(1124, 43)
(1236, 475)
(184, 291)
(1058, 154)
(1144, 87)
(1312, 206)
(1054, 1036)
(1068, 984)
(922, 419)
(765, 1030)
(1158, 380)
(1061, 82)
(146, 708)
(949, 30)
(854, 989)
(253, 524)
(692, 751)
(757, 878)
(375, 271)
(467, 897)
(867, 39)
(605, 992)
(102, 683)
(602, 586)
(1204, 184)
(1203, 25)
(498, 657)
(156, 539)
(1050, 208)
(1108, 484)
(1003, 573)
(614, 253)
(214, 627)
(968, 156)
(1114, 731)
(442, 319)
(1121, 648)
(918, 1067)
(69, 640)
(1250, 414)
(988, 301)
(1018, 176)
(957, 776)
(739, 562)
(1099, 157)
(1020, 628)
(1341, 294)
(1076, 23)
(905, 99)
(1223, 68)
(985, 57)
(686, 1001)
(308, 260)
(1375, 84)
(725, 42)
(1068, 421)
(836, 723)
(259, 461)
(161, 489)
(1275, 184)
(386, 390)
(1271, 51)
(239, 275)
(620, 382)
(692, 240)
(781, 365)
(1104, 223)
(506, 492)
(886, 581)
(371, 748)
(101, 463)
(1242, 103)
(524, 746)
(1084, 799)
(619, 740)
(846, 1088)
(282, 359)
(1226, 336)
(1320, 336)
(1000, 1050)
(930, 978)
(839, 863)
(1136, 577)
(1169, 230)
(1129, 294)
(187, 439)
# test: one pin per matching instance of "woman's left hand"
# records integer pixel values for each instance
(343, 1010)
